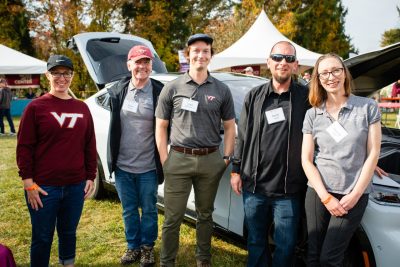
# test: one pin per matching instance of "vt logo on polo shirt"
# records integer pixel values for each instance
(210, 97)
(61, 119)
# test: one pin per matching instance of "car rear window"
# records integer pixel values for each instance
(108, 57)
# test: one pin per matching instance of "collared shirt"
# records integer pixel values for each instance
(202, 127)
(340, 162)
(137, 118)
(272, 168)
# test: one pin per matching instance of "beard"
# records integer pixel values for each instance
(281, 79)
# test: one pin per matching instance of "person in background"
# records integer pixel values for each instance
(30, 94)
(133, 155)
(267, 166)
(195, 104)
(5, 106)
(341, 145)
(396, 89)
(307, 76)
(56, 157)
(249, 71)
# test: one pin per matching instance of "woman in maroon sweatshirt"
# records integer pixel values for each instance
(56, 156)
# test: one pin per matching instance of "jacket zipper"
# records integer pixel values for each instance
(288, 140)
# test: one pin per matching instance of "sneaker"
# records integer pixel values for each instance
(147, 256)
(130, 256)
(2, 134)
(12, 134)
(203, 263)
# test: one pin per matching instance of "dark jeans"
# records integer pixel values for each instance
(62, 208)
(329, 236)
(138, 190)
(6, 113)
(285, 215)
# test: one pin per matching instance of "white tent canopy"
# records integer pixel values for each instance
(255, 45)
(14, 62)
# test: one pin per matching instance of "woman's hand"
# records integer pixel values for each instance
(89, 187)
(349, 201)
(335, 208)
(32, 195)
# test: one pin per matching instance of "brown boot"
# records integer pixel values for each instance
(130, 256)
(147, 256)
(203, 263)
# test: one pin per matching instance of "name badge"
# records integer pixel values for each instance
(337, 132)
(131, 106)
(275, 115)
(190, 105)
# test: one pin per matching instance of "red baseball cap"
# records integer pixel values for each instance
(138, 52)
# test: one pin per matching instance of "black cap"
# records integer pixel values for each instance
(59, 60)
(200, 37)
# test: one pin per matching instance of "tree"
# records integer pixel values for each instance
(168, 24)
(14, 31)
(391, 36)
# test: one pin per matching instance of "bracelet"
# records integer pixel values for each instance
(326, 201)
(32, 187)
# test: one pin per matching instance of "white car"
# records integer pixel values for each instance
(376, 242)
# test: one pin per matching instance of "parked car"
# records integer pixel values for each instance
(376, 242)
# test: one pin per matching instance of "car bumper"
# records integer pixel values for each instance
(382, 226)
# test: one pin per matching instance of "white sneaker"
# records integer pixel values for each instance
(12, 134)
(2, 134)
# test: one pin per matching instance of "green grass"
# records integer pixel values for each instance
(101, 239)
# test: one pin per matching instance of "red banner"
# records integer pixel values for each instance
(23, 81)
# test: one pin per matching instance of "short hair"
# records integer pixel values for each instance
(283, 42)
(317, 94)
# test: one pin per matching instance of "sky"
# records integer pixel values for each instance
(367, 20)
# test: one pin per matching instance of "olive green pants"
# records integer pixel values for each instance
(181, 171)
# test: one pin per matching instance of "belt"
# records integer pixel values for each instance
(195, 151)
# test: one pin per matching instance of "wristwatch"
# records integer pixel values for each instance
(229, 158)
(232, 159)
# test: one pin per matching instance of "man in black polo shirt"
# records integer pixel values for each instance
(195, 104)
(270, 174)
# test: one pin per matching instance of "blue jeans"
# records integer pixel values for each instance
(6, 113)
(285, 213)
(138, 190)
(62, 208)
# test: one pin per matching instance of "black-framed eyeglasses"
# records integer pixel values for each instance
(280, 57)
(325, 75)
(66, 75)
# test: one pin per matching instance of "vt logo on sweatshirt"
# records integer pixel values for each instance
(61, 119)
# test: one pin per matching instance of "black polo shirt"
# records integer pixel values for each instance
(272, 168)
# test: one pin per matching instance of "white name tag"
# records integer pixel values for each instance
(337, 132)
(131, 106)
(275, 115)
(190, 105)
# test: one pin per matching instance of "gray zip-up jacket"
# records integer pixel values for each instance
(248, 141)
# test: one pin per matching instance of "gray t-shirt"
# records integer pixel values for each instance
(136, 152)
(200, 128)
(340, 163)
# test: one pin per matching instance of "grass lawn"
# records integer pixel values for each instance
(101, 239)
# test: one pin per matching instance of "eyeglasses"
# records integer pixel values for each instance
(325, 75)
(66, 75)
(280, 57)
